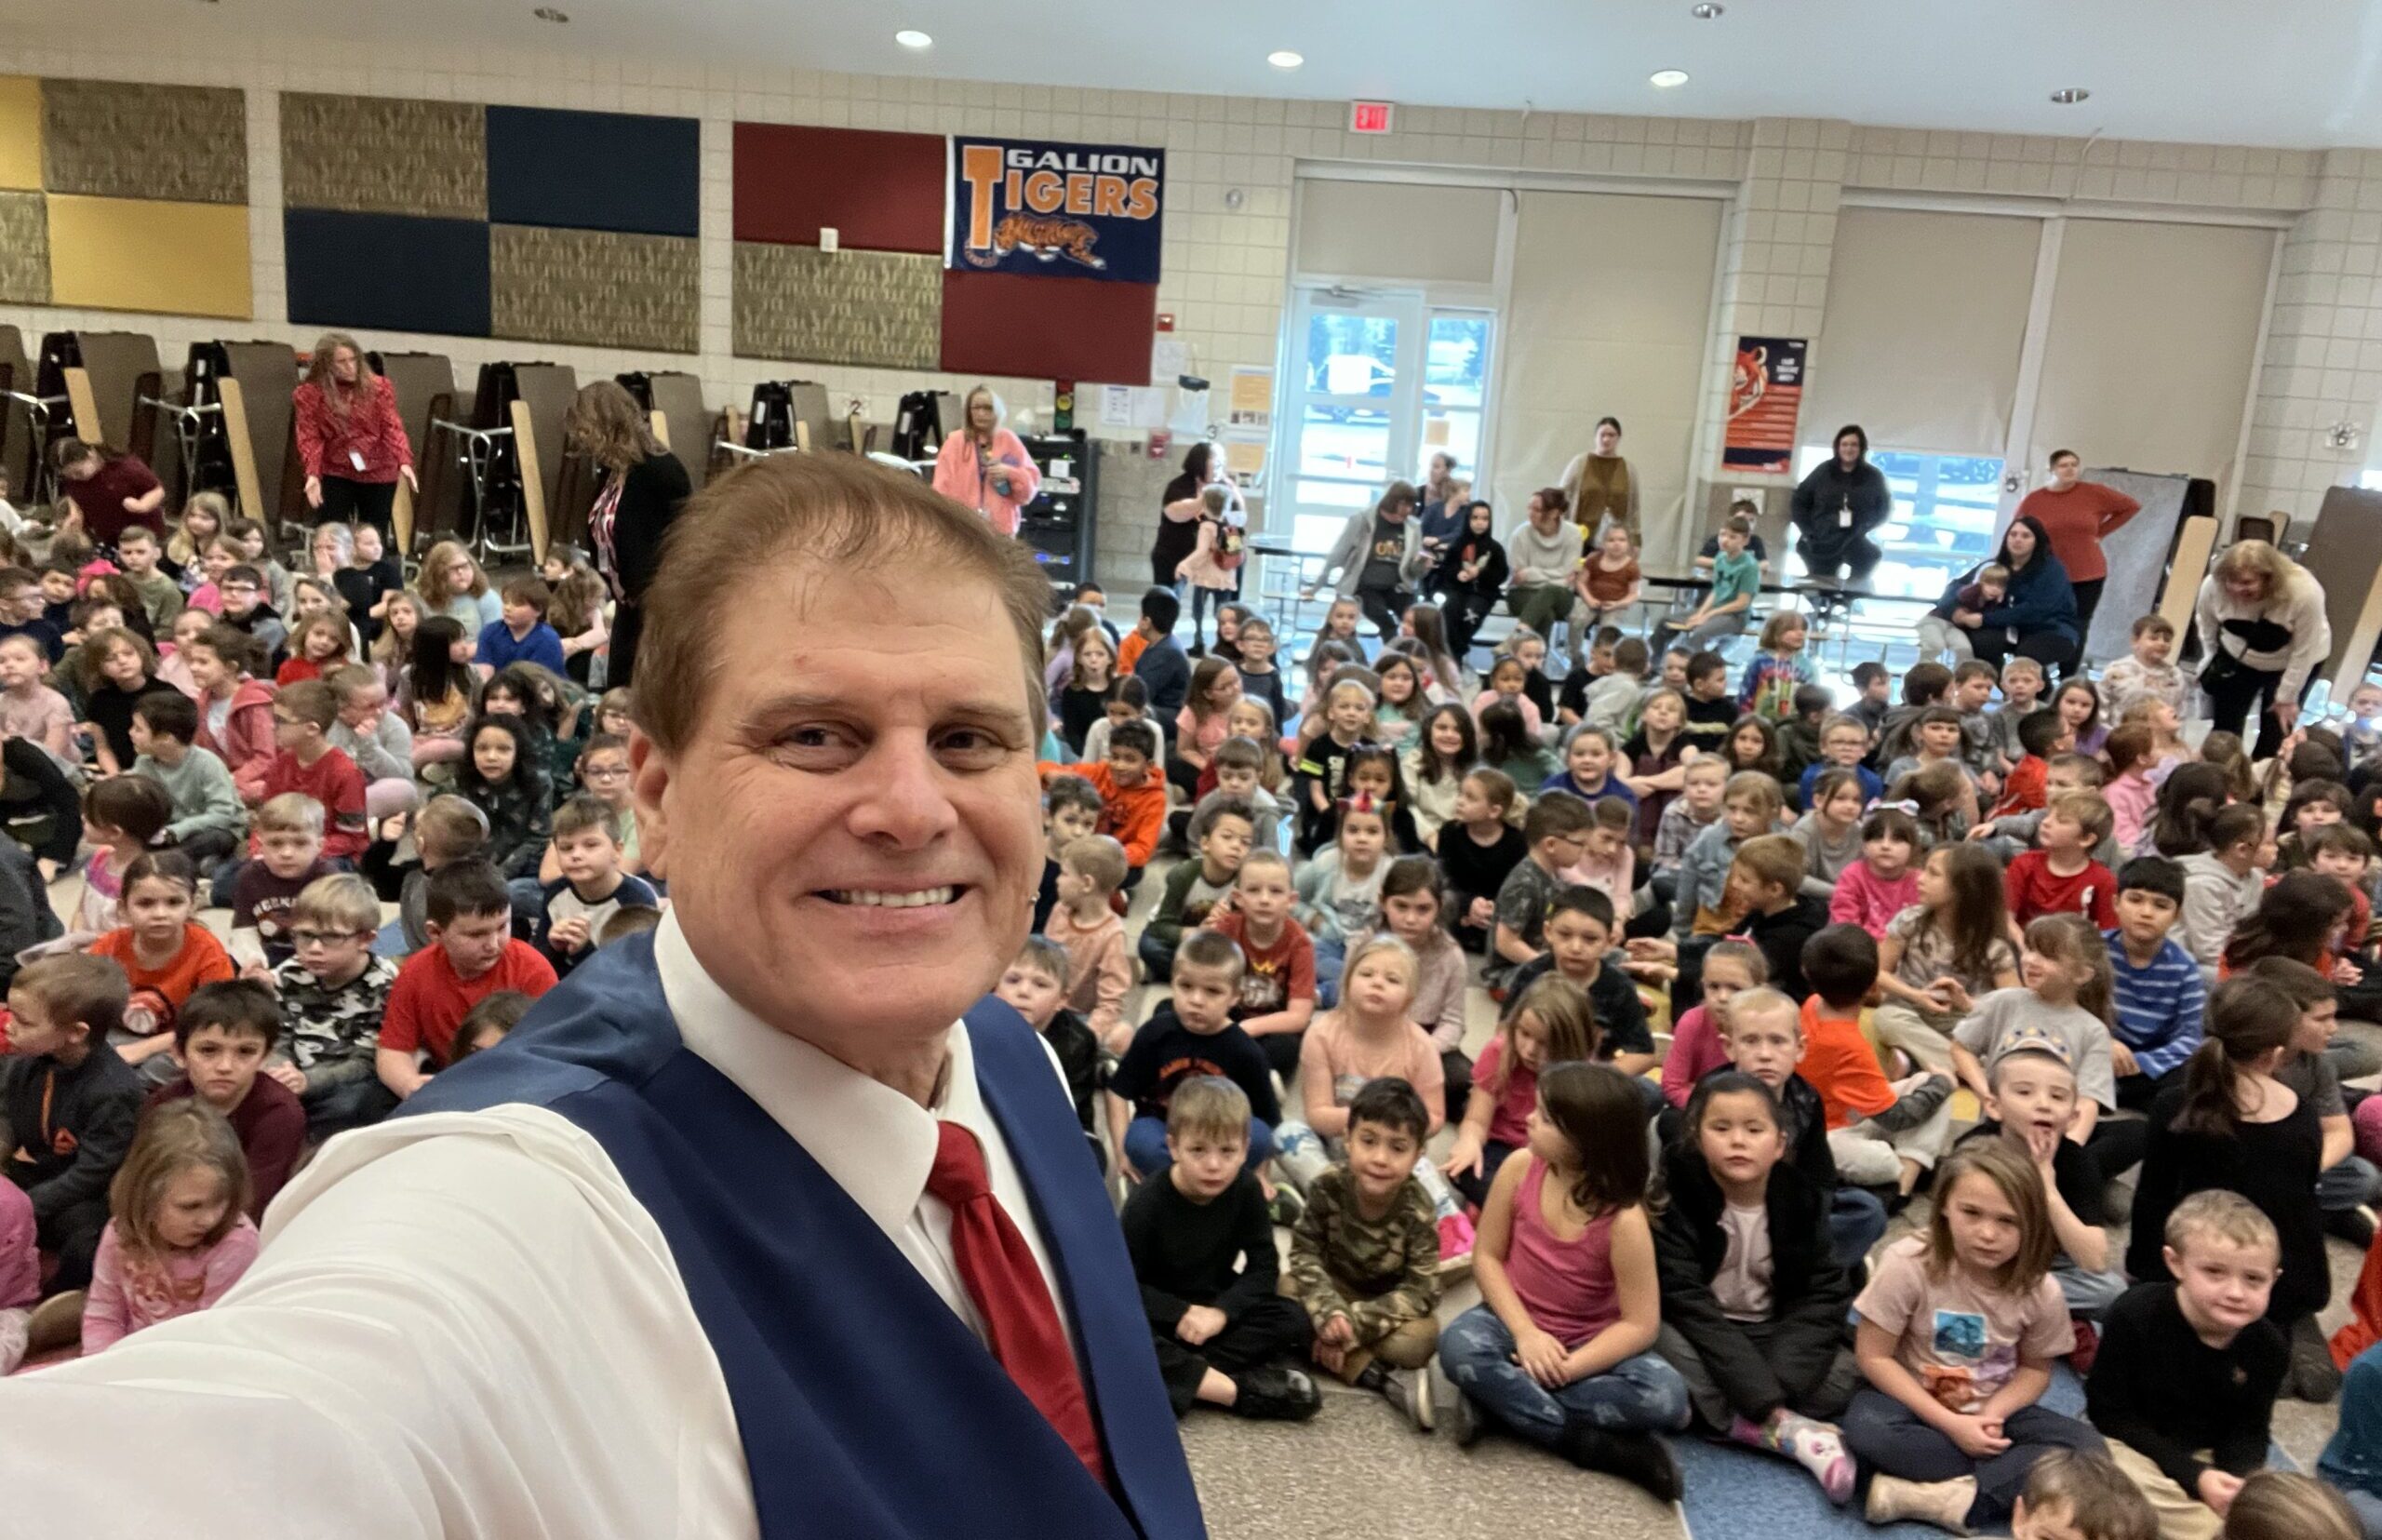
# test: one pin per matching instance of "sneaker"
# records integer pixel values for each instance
(1455, 1409)
(1943, 1504)
(1286, 1207)
(56, 1323)
(1276, 1395)
(2087, 1348)
(2354, 1225)
(1410, 1391)
(2313, 1377)
(1638, 1458)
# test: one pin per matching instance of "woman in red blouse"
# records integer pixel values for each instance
(110, 491)
(2078, 515)
(350, 438)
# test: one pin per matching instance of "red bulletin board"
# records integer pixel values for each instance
(1048, 328)
(879, 191)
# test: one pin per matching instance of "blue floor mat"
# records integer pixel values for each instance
(1733, 1493)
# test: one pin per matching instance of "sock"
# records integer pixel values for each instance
(1818, 1448)
(1373, 1377)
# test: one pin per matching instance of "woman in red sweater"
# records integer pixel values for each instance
(350, 438)
(2079, 515)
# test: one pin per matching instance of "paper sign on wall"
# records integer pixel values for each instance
(1246, 460)
(1765, 398)
(1251, 403)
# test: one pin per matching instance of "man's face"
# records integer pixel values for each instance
(474, 942)
(587, 855)
(288, 852)
(1205, 1164)
(1876, 688)
(222, 1064)
(1031, 993)
(851, 837)
(2222, 1282)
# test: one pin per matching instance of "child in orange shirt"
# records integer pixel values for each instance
(164, 952)
(1883, 1133)
(1133, 801)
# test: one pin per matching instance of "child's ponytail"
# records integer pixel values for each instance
(2248, 1019)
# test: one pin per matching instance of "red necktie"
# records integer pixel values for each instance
(1002, 1277)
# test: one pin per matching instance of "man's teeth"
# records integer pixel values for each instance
(870, 898)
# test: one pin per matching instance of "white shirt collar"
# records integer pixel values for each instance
(872, 1141)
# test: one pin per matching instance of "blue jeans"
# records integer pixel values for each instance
(2352, 1182)
(1146, 1145)
(1330, 957)
(1642, 1394)
(1856, 1221)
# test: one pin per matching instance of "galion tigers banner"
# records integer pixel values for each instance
(1032, 207)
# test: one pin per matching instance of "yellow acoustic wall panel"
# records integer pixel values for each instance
(20, 132)
(180, 259)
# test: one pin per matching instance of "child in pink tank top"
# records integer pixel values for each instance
(1560, 1350)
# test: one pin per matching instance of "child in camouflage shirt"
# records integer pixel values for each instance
(1365, 1257)
(332, 995)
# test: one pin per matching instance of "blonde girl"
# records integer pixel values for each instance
(1402, 702)
(2167, 746)
(1551, 1023)
(1943, 953)
(1253, 719)
(1957, 1333)
(1778, 670)
(1370, 1034)
(202, 524)
(1698, 1042)
(1560, 1350)
(453, 584)
(319, 644)
(178, 1235)
(576, 612)
(1442, 674)
(400, 616)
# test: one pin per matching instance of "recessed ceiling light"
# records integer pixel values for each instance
(910, 37)
(548, 13)
(1708, 11)
(2069, 96)
(1285, 59)
(1667, 79)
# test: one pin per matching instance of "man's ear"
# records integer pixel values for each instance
(650, 776)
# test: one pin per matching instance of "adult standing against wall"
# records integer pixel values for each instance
(644, 487)
(822, 1203)
(1602, 487)
(350, 438)
(2078, 515)
(110, 491)
(2036, 616)
(1178, 522)
(2263, 632)
(984, 467)
(1378, 558)
(1837, 506)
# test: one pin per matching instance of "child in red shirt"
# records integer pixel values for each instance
(2028, 786)
(2060, 876)
(1277, 983)
(471, 956)
(305, 762)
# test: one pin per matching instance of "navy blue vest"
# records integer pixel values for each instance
(866, 1407)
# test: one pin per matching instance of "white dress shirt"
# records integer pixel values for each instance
(465, 1325)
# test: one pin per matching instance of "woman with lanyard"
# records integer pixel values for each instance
(1602, 489)
(2079, 515)
(2263, 633)
(986, 467)
(644, 486)
(2036, 616)
(1835, 508)
(110, 491)
(351, 439)
(1178, 524)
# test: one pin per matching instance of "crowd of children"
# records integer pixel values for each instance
(2018, 959)
(298, 750)
(1981, 956)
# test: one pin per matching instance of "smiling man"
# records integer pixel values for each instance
(772, 1225)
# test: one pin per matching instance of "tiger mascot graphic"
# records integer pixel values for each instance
(1047, 239)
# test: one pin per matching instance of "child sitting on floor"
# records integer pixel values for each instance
(180, 1235)
(1202, 1249)
(333, 994)
(1090, 871)
(64, 1076)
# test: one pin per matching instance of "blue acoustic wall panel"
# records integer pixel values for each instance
(593, 170)
(387, 272)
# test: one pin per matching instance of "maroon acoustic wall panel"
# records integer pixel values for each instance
(1048, 328)
(879, 191)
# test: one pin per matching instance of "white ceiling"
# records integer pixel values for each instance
(2295, 72)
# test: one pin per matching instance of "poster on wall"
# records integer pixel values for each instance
(1765, 397)
(1060, 210)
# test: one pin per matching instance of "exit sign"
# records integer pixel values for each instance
(1369, 118)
